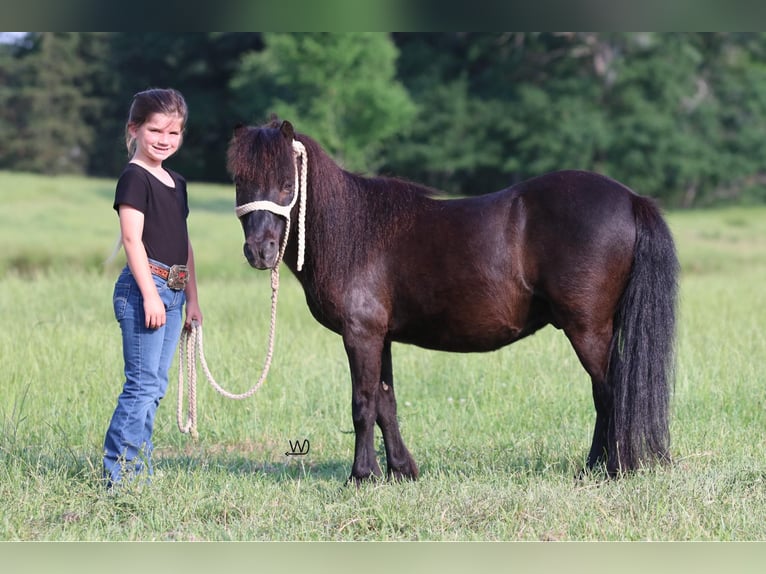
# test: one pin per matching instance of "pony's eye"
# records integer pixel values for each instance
(242, 196)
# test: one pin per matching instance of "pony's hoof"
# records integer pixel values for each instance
(358, 481)
(406, 472)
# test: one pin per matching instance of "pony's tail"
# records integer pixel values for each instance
(642, 356)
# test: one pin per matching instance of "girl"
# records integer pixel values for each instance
(158, 279)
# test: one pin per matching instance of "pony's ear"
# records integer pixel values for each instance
(287, 130)
(239, 129)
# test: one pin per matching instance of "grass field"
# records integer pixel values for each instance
(498, 436)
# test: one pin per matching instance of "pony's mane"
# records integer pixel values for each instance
(240, 153)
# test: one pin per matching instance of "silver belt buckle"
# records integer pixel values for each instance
(178, 277)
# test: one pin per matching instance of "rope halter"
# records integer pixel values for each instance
(300, 160)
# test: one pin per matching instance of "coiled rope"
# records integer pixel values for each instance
(191, 347)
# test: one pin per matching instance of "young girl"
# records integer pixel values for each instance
(158, 279)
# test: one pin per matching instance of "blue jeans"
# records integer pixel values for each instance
(148, 354)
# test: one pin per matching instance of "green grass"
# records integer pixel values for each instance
(498, 436)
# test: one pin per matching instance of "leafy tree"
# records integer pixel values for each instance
(737, 87)
(677, 116)
(654, 118)
(46, 101)
(339, 88)
(500, 108)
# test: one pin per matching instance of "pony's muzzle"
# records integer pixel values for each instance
(261, 254)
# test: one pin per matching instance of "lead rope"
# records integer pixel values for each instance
(190, 345)
(192, 348)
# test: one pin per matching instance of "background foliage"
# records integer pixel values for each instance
(679, 116)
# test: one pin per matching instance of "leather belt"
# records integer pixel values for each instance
(177, 276)
(159, 271)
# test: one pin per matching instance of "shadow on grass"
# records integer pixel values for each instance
(448, 462)
(532, 460)
(451, 462)
(291, 469)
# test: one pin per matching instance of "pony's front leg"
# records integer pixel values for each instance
(364, 354)
(400, 463)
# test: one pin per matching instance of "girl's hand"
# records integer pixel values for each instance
(193, 313)
(154, 312)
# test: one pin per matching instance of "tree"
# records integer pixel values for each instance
(676, 116)
(736, 84)
(657, 110)
(47, 101)
(339, 88)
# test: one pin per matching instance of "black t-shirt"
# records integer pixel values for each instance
(165, 211)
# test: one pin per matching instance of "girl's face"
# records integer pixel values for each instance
(158, 138)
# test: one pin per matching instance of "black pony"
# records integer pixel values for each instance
(384, 262)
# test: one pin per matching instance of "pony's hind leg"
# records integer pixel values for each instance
(602, 399)
(400, 463)
(592, 348)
